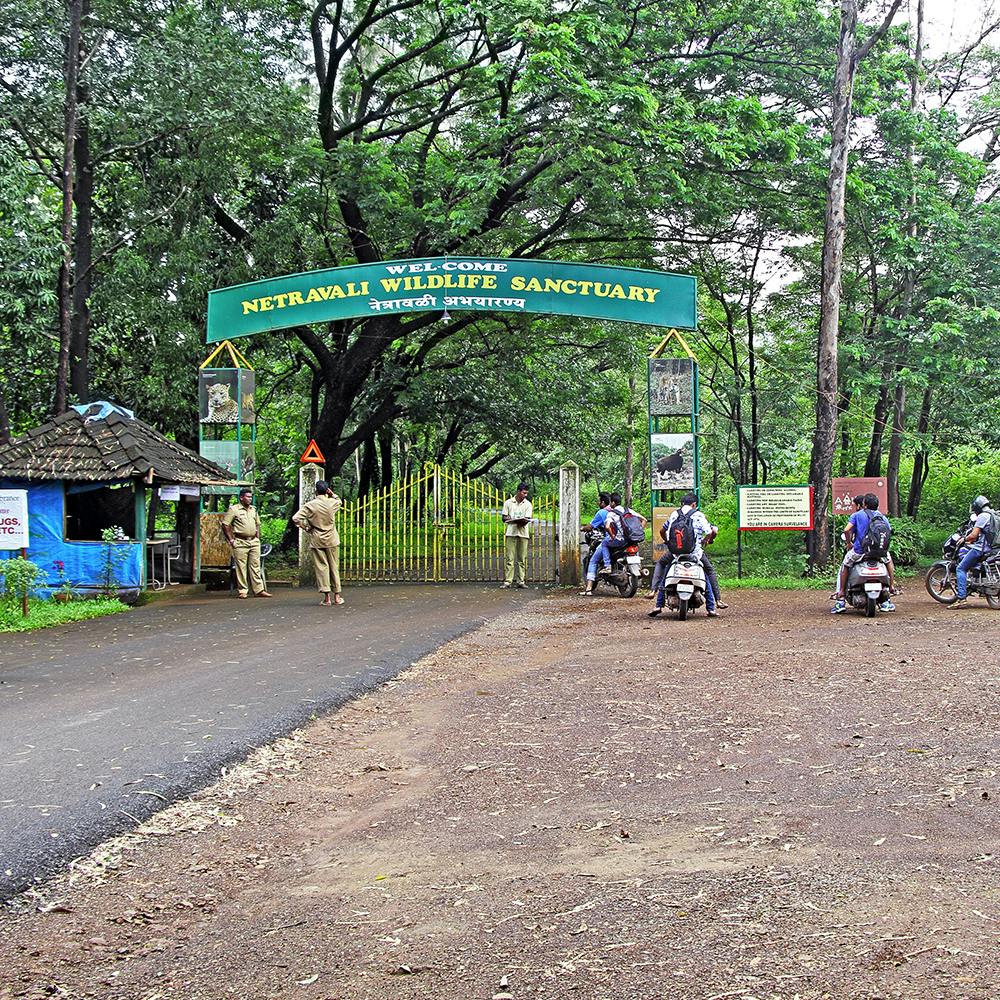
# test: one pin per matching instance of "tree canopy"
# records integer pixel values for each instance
(157, 152)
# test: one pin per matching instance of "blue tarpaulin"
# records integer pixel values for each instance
(83, 563)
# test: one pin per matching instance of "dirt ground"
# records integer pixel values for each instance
(575, 801)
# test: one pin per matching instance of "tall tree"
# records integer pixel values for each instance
(850, 55)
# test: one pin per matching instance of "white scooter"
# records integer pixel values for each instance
(684, 585)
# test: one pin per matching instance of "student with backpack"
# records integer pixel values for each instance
(982, 539)
(623, 526)
(868, 534)
(686, 532)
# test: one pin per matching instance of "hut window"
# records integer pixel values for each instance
(92, 507)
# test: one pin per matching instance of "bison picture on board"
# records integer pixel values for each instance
(672, 461)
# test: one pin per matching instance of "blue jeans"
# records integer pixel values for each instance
(661, 594)
(601, 556)
(969, 560)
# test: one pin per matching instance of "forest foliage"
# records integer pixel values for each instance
(190, 145)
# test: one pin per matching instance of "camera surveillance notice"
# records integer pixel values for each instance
(775, 508)
(13, 519)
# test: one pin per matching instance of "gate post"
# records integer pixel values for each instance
(309, 476)
(569, 525)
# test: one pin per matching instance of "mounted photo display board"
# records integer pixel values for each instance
(671, 387)
(672, 461)
(226, 396)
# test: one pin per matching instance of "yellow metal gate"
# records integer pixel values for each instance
(438, 526)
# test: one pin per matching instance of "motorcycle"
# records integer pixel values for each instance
(868, 585)
(941, 581)
(626, 565)
(684, 585)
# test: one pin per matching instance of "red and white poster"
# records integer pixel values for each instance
(846, 489)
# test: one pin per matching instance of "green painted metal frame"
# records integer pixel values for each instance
(658, 497)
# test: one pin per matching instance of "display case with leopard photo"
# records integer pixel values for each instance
(226, 396)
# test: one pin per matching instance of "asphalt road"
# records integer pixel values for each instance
(96, 716)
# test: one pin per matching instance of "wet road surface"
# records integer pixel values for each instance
(103, 722)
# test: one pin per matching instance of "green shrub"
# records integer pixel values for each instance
(19, 577)
(907, 541)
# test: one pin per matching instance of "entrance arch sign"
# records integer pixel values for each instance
(598, 291)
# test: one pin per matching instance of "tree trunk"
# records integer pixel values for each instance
(845, 438)
(4, 417)
(921, 465)
(825, 435)
(385, 454)
(873, 464)
(83, 242)
(849, 57)
(74, 10)
(369, 473)
(630, 418)
(895, 448)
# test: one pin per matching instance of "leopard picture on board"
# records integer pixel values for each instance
(222, 408)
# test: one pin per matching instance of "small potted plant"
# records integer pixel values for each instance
(64, 592)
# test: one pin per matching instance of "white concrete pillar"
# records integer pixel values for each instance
(569, 525)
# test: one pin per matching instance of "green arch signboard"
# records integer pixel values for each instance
(598, 291)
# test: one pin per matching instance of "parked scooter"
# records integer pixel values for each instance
(684, 585)
(941, 581)
(868, 585)
(626, 565)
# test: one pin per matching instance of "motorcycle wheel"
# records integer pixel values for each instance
(993, 600)
(630, 586)
(682, 609)
(870, 607)
(938, 584)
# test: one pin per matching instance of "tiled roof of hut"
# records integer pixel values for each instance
(101, 448)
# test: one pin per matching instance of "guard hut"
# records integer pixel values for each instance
(97, 468)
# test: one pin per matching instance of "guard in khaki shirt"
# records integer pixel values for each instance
(241, 526)
(318, 519)
(516, 515)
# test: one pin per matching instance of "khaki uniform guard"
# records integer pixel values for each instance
(318, 519)
(241, 526)
(516, 515)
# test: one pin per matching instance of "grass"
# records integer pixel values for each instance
(774, 583)
(42, 614)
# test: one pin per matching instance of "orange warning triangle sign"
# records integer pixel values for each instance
(312, 454)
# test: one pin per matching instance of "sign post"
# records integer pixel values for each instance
(14, 528)
(310, 473)
(845, 489)
(772, 508)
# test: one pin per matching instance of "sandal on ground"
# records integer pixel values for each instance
(337, 599)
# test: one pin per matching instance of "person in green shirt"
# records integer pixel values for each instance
(517, 517)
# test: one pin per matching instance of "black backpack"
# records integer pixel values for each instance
(992, 530)
(875, 544)
(682, 539)
(632, 530)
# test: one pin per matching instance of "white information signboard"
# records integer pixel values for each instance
(13, 519)
(776, 508)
